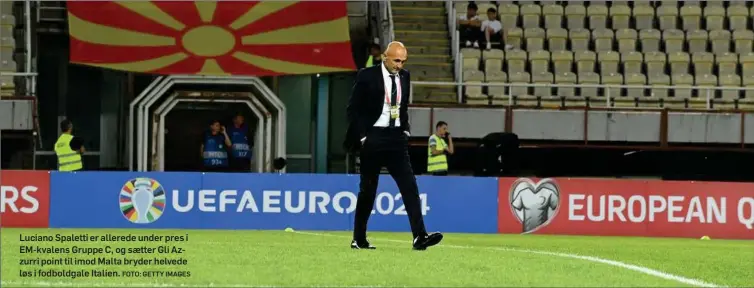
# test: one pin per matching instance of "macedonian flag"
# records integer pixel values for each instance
(211, 38)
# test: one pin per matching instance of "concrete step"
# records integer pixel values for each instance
(438, 42)
(419, 18)
(431, 79)
(417, 4)
(429, 11)
(421, 34)
(413, 50)
(401, 26)
(429, 58)
(425, 73)
(434, 97)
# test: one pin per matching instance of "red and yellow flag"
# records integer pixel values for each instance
(211, 38)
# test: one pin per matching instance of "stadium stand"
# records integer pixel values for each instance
(7, 47)
(656, 43)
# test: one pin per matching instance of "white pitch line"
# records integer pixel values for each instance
(135, 285)
(637, 268)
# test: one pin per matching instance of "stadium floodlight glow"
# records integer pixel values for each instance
(164, 110)
(161, 85)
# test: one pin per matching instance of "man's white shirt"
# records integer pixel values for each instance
(384, 120)
(465, 17)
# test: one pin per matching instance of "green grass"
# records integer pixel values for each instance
(277, 258)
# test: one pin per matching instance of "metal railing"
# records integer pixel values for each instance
(29, 76)
(391, 26)
(708, 91)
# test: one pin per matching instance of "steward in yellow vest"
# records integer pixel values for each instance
(68, 149)
(375, 52)
(437, 159)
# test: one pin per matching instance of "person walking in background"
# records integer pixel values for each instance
(240, 160)
(437, 159)
(69, 148)
(375, 55)
(214, 148)
(378, 125)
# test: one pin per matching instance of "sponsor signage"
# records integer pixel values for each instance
(24, 198)
(626, 207)
(262, 201)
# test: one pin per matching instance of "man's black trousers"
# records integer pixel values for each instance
(387, 147)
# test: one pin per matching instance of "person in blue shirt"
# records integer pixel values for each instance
(240, 149)
(214, 148)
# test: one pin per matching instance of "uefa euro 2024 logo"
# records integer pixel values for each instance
(142, 200)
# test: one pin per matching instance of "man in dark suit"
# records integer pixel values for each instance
(378, 126)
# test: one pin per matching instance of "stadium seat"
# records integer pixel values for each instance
(562, 61)
(519, 78)
(643, 17)
(703, 63)
(535, 39)
(493, 54)
(714, 16)
(608, 61)
(553, 14)
(655, 63)
(737, 18)
(530, 15)
(626, 40)
(589, 78)
(635, 79)
(557, 39)
(673, 39)
(603, 39)
(580, 39)
(720, 41)
(474, 93)
(679, 62)
(730, 80)
(748, 83)
(727, 63)
(691, 16)
(650, 40)
(682, 80)
(697, 41)
(575, 14)
(632, 62)
(497, 92)
(743, 41)
(667, 16)
(597, 14)
(508, 14)
(705, 80)
(516, 60)
(539, 61)
(747, 65)
(620, 14)
(566, 78)
(543, 78)
(612, 80)
(492, 65)
(659, 80)
(515, 36)
(585, 61)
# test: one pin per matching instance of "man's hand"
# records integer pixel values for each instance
(362, 140)
(407, 134)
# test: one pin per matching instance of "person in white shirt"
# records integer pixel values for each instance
(493, 29)
(469, 26)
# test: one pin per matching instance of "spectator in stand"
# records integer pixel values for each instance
(493, 29)
(375, 58)
(469, 26)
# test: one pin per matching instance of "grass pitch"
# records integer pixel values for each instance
(305, 259)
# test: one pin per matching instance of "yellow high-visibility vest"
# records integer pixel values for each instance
(68, 160)
(436, 163)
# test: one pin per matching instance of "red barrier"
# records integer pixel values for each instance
(651, 208)
(24, 199)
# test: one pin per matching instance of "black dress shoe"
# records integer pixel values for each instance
(431, 239)
(361, 245)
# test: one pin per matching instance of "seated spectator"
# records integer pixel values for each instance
(493, 29)
(469, 26)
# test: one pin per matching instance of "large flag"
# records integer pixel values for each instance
(211, 38)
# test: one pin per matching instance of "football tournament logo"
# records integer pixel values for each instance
(534, 204)
(142, 200)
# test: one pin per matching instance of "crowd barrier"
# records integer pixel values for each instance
(171, 200)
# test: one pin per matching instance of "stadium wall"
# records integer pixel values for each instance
(38, 199)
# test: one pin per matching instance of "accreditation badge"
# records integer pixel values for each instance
(394, 112)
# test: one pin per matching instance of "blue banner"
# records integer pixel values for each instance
(262, 201)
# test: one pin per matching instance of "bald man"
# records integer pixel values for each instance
(378, 126)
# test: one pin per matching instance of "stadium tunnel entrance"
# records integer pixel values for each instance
(186, 124)
(148, 142)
